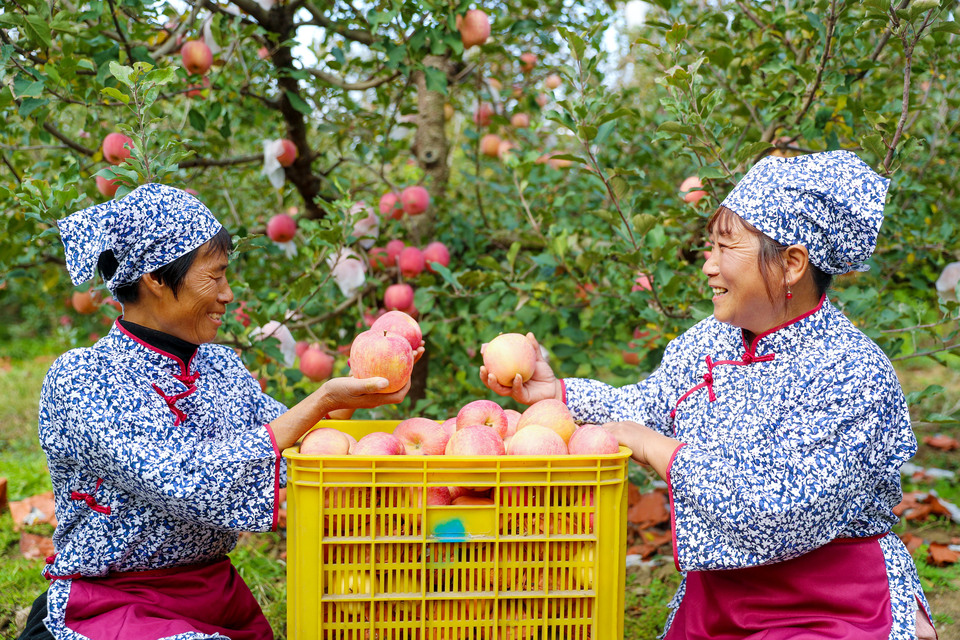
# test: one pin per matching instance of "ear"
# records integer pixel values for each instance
(150, 285)
(796, 263)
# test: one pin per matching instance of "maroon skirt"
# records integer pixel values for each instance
(837, 592)
(148, 605)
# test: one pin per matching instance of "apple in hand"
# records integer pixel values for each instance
(509, 354)
(382, 354)
(422, 436)
(398, 322)
(483, 412)
(549, 413)
(475, 441)
(325, 441)
(378, 443)
(592, 439)
(534, 440)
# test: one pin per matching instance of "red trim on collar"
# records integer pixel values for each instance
(184, 368)
(751, 348)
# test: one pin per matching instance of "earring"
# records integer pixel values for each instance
(789, 293)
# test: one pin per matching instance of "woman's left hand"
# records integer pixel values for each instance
(649, 447)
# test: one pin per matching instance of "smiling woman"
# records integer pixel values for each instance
(778, 426)
(160, 444)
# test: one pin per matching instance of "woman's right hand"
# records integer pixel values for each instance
(542, 385)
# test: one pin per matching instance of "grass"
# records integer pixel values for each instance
(259, 557)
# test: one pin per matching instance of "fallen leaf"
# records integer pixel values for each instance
(34, 547)
(651, 509)
(633, 495)
(33, 510)
(911, 541)
(940, 555)
(942, 442)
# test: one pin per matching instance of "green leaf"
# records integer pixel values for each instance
(37, 29)
(161, 76)
(298, 103)
(121, 73)
(676, 34)
(874, 144)
(116, 94)
(436, 79)
(29, 105)
(676, 127)
(587, 132)
(512, 254)
(643, 223)
(622, 112)
(706, 173)
(197, 120)
(750, 151)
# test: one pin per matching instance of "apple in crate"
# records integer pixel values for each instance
(382, 354)
(483, 412)
(398, 322)
(379, 443)
(510, 354)
(325, 442)
(592, 439)
(513, 418)
(475, 440)
(422, 437)
(450, 425)
(552, 414)
(535, 440)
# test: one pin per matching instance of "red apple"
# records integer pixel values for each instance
(490, 145)
(475, 441)
(325, 442)
(553, 81)
(107, 187)
(462, 501)
(416, 200)
(520, 120)
(509, 354)
(378, 258)
(552, 414)
(263, 53)
(438, 496)
(483, 412)
(456, 492)
(382, 354)
(642, 283)
(436, 252)
(85, 302)
(411, 262)
(114, 150)
(241, 314)
(449, 425)
(394, 248)
(302, 346)
(196, 56)
(527, 62)
(390, 205)
(316, 364)
(196, 90)
(288, 154)
(378, 443)
(513, 418)
(535, 440)
(691, 190)
(592, 439)
(281, 228)
(399, 296)
(474, 28)
(422, 437)
(398, 322)
(482, 114)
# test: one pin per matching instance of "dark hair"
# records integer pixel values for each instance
(771, 251)
(171, 274)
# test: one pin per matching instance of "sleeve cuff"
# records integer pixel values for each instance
(563, 391)
(276, 479)
(673, 509)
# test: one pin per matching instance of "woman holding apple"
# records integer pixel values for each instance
(161, 445)
(778, 426)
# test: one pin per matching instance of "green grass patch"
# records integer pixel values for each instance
(645, 602)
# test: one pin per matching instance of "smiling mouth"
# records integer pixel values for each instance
(718, 291)
(216, 317)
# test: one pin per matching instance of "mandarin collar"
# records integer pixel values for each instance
(129, 345)
(786, 336)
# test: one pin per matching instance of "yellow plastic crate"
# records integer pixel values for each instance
(368, 560)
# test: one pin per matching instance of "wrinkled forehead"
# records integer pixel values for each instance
(725, 223)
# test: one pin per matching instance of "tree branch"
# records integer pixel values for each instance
(766, 27)
(220, 162)
(10, 166)
(812, 92)
(319, 19)
(170, 43)
(123, 38)
(352, 86)
(62, 137)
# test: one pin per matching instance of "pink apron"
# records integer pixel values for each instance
(147, 605)
(837, 592)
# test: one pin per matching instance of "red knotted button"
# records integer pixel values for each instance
(747, 358)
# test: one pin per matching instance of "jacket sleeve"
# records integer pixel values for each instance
(647, 402)
(833, 462)
(128, 438)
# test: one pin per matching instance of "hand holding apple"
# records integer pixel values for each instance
(543, 384)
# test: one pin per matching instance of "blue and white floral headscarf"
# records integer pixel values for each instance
(831, 203)
(148, 228)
